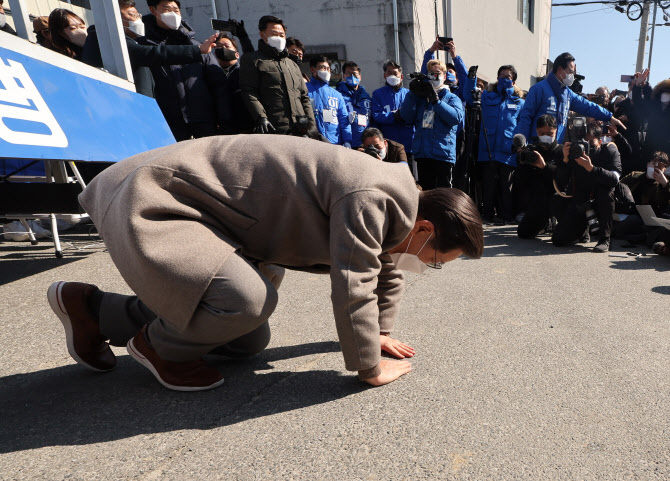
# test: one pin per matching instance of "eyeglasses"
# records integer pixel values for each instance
(135, 16)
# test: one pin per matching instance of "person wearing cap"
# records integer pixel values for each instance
(42, 32)
(272, 86)
(4, 27)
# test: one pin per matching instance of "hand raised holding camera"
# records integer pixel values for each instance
(585, 161)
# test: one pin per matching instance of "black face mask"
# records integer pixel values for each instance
(295, 58)
(225, 54)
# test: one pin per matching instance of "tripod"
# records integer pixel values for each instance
(473, 117)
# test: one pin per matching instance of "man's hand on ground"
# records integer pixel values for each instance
(396, 348)
(391, 370)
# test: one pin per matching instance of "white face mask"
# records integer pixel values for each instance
(3, 20)
(382, 153)
(171, 19)
(665, 97)
(323, 75)
(410, 262)
(278, 43)
(437, 83)
(546, 139)
(137, 27)
(77, 37)
(650, 172)
(393, 81)
(569, 80)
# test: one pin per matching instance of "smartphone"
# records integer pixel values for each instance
(445, 40)
(224, 26)
(606, 129)
(627, 78)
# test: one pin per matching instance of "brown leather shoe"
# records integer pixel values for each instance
(84, 341)
(178, 376)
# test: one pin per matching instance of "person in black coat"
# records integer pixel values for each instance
(4, 27)
(656, 111)
(589, 176)
(142, 57)
(181, 90)
(223, 81)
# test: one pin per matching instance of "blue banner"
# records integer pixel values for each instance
(47, 112)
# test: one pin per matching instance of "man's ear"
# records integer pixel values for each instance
(423, 225)
(386, 144)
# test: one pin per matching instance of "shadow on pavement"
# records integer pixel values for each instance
(70, 405)
(658, 263)
(661, 290)
(503, 241)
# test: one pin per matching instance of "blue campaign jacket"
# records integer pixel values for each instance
(384, 101)
(551, 97)
(323, 98)
(359, 103)
(465, 84)
(438, 142)
(499, 115)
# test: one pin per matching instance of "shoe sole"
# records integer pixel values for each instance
(54, 295)
(135, 354)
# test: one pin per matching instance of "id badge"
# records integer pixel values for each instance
(428, 119)
(362, 120)
(329, 116)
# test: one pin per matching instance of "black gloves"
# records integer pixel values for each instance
(239, 28)
(432, 95)
(417, 87)
(263, 126)
(397, 117)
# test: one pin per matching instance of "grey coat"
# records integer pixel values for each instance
(171, 217)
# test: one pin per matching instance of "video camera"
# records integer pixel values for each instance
(418, 76)
(577, 86)
(579, 146)
(526, 152)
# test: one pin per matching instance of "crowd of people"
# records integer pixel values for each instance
(210, 88)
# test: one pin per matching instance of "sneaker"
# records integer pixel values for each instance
(85, 342)
(178, 376)
(661, 249)
(602, 246)
(39, 231)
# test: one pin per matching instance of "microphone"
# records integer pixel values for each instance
(518, 142)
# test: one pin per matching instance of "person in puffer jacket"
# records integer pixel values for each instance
(435, 113)
(357, 99)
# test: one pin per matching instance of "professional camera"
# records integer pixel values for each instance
(418, 76)
(579, 146)
(525, 153)
(577, 86)
(373, 151)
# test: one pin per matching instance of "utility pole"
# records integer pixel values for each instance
(642, 44)
(653, 30)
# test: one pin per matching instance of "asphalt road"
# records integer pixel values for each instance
(532, 363)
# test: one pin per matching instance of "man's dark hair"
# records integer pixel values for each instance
(371, 132)
(229, 37)
(594, 129)
(391, 63)
(451, 66)
(352, 65)
(291, 41)
(562, 61)
(126, 4)
(546, 120)
(456, 219)
(511, 69)
(660, 156)
(154, 3)
(267, 20)
(318, 59)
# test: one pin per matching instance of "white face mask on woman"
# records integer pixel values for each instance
(3, 20)
(77, 36)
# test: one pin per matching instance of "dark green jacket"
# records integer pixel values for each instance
(272, 87)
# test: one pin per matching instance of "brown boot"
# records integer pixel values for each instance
(85, 342)
(178, 376)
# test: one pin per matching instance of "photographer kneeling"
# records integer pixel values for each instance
(374, 144)
(589, 170)
(535, 174)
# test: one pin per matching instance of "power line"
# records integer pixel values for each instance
(582, 13)
(596, 2)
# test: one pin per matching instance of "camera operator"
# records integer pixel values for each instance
(553, 96)
(535, 174)
(500, 109)
(647, 188)
(436, 114)
(377, 146)
(588, 170)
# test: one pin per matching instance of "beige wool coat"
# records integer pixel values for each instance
(171, 217)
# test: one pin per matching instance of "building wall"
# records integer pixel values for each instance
(40, 8)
